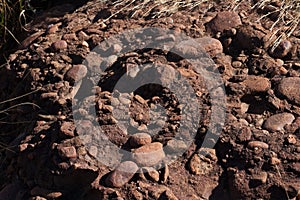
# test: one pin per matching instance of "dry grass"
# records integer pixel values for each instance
(158, 8)
(287, 13)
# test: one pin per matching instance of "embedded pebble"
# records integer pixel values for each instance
(290, 88)
(122, 174)
(151, 173)
(59, 45)
(257, 84)
(139, 139)
(278, 121)
(258, 144)
(260, 178)
(67, 152)
(291, 139)
(67, 128)
(149, 154)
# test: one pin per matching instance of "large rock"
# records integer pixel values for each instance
(122, 174)
(290, 88)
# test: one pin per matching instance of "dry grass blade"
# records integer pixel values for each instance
(288, 15)
(20, 104)
(166, 7)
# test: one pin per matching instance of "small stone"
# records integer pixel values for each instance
(296, 167)
(139, 139)
(122, 174)
(52, 29)
(70, 36)
(175, 146)
(85, 44)
(149, 154)
(290, 88)
(278, 121)
(67, 128)
(282, 49)
(211, 45)
(59, 45)
(275, 161)
(244, 134)
(37, 191)
(236, 64)
(76, 73)
(165, 172)
(291, 139)
(257, 144)
(198, 166)
(260, 178)
(257, 84)
(140, 99)
(151, 173)
(67, 152)
(93, 151)
(168, 195)
(49, 95)
(224, 21)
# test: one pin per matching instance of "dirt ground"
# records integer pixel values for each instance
(47, 155)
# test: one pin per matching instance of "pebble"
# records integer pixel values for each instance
(275, 161)
(296, 167)
(291, 139)
(70, 36)
(37, 191)
(244, 134)
(224, 21)
(258, 144)
(165, 172)
(76, 73)
(290, 88)
(260, 178)
(175, 146)
(122, 174)
(257, 84)
(139, 139)
(211, 45)
(52, 29)
(198, 166)
(151, 173)
(59, 45)
(278, 121)
(67, 152)
(282, 49)
(149, 154)
(67, 128)
(168, 195)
